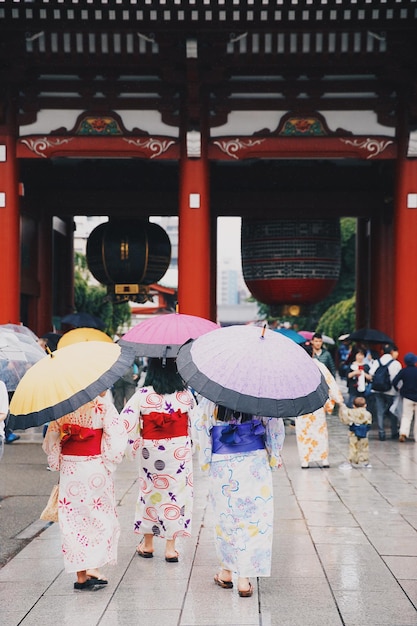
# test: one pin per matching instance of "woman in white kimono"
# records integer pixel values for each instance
(311, 429)
(157, 419)
(85, 447)
(239, 451)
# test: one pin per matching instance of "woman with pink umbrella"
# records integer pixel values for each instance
(157, 418)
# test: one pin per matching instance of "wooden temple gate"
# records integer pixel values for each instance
(337, 79)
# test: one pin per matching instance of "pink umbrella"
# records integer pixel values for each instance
(308, 334)
(253, 370)
(163, 335)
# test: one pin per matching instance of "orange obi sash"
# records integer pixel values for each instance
(80, 441)
(164, 425)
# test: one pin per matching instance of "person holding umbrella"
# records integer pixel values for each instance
(85, 441)
(86, 446)
(239, 452)
(158, 420)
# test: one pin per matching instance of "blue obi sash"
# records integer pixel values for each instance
(233, 438)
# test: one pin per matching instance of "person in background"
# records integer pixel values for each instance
(311, 429)
(239, 452)
(384, 399)
(359, 420)
(158, 421)
(408, 392)
(124, 388)
(343, 353)
(85, 447)
(321, 354)
(358, 377)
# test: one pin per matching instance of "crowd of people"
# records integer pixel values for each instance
(160, 423)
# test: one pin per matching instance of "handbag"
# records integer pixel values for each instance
(50, 512)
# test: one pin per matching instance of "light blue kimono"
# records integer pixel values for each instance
(241, 494)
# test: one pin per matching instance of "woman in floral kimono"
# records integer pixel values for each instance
(157, 419)
(239, 451)
(85, 447)
(311, 429)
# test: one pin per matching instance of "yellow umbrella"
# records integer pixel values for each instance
(65, 380)
(82, 334)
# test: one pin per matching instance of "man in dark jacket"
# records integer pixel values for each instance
(322, 354)
(408, 392)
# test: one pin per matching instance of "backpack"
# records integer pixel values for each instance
(381, 380)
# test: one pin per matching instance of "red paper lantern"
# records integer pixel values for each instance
(290, 261)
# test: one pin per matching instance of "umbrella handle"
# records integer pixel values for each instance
(263, 332)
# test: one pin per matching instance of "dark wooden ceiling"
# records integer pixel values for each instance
(197, 60)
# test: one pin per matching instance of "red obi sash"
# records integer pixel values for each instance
(80, 441)
(164, 425)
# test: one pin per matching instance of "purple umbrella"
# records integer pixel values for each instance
(253, 370)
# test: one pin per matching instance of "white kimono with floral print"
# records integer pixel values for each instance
(87, 505)
(311, 429)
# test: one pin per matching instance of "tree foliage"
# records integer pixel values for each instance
(93, 299)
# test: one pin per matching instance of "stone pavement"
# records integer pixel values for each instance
(344, 553)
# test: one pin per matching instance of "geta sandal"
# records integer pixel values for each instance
(246, 593)
(172, 559)
(224, 584)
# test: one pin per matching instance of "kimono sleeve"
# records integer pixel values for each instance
(113, 443)
(52, 446)
(200, 432)
(274, 440)
(131, 419)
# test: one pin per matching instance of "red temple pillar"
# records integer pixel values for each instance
(195, 293)
(381, 285)
(405, 271)
(9, 228)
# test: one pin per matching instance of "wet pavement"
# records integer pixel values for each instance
(344, 552)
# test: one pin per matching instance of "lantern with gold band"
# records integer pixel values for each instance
(290, 262)
(128, 256)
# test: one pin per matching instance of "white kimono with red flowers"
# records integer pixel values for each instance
(87, 505)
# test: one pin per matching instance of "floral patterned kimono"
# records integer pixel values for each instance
(158, 429)
(87, 505)
(240, 491)
(311, 429)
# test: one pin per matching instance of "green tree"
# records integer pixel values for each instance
(93, 299)
(338, 319)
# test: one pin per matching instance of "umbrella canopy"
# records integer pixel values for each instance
(253, 370)
(370, 335)
(82, 334)
(82, 320)
(65, 380)
(18, 352)
(291, 334)
(308, 335)
(19, 328)
(51, 340)
(163, 335)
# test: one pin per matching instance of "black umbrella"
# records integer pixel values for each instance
(369, 335)
(83, 320)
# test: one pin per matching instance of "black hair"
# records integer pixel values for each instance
(389, 347)
(317, 336)
(162, 375)
(224, 414)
